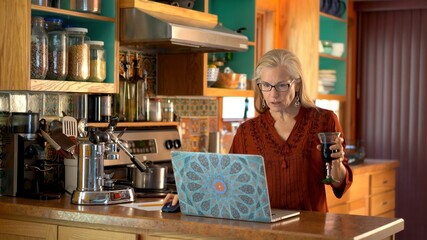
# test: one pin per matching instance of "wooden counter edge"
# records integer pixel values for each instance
(373, 165)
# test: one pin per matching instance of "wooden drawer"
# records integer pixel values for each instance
(70, 233)
(359, 189)
(384, 181)
(359, 207)
(382, 203)
(389, 214)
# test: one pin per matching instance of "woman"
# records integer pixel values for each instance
(285, 134)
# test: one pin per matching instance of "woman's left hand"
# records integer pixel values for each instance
(338, 170)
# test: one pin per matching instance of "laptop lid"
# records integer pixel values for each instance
(231, 186)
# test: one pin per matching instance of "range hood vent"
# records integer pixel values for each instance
(159, 32)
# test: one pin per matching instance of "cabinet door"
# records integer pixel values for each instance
(74, 233)
(14, 230)
(15, 45)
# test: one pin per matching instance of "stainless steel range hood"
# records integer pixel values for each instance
(154, 31)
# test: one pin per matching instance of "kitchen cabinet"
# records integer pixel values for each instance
(70, 233)
(372, 192)
(186, 73)
(12, 229)
(334, 29)
(15, 48)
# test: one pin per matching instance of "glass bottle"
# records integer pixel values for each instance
(141, 90)
(39, 54)
(168, 114)
(130, 100)
(106, 103)
(78, 54)
(98, 65)
(130, 91)
(57, 50)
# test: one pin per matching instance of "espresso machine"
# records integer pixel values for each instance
(26, 170)
(94, 187)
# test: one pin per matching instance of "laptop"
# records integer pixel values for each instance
(230, 186)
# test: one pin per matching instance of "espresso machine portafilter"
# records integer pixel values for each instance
(92, 188)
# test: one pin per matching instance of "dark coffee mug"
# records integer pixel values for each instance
(334, 7)
(325, 5)
(342, 9)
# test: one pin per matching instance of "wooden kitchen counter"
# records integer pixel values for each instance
(62, 215)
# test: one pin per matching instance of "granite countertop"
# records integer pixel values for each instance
(309, 225)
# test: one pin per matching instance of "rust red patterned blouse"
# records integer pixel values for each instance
(294, 167)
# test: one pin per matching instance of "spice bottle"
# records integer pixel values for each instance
(57, 50)
(39, 55)
(168, 111)
(98, 65)
(155, 110)
(106, 108)
(78, 54)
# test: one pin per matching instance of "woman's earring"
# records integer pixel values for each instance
(263, 103)
(297, 100)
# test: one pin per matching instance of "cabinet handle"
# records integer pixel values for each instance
(385, 182)
(384, 203)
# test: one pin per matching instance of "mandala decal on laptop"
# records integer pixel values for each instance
(224, 186)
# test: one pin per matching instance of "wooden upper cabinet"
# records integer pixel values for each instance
(15, 45)
(16, 40)
(298, 30)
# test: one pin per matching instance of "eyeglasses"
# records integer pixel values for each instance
(281, 87)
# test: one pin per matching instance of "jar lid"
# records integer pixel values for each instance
(76, 29)
(99, 43)
(53, 19)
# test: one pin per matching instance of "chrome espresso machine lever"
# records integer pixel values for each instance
(112, 125)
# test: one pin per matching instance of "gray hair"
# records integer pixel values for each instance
(285, 58)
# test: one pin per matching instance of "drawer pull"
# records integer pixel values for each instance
(385, 182)
(384, 203)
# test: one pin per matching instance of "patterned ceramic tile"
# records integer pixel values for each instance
(51, 105)
(194, 143)
(4, 102)
(18, 102)
(35, 102)
(194, 126)
(186, 144)
(213, 124)
(203, 143)
(185, 127)
(196, 107)
(204, 125)
(65, 104)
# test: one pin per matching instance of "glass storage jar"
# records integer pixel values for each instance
(57, 49)
(98, 65)
(39, 55)
(78, 54)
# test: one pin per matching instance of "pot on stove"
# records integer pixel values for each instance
(152, 179)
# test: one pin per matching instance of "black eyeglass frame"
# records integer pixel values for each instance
(274, 86)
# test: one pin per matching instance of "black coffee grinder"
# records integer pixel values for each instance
(27, 171)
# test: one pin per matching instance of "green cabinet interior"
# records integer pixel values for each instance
(99, 28)
(335, 29)
(235, 14)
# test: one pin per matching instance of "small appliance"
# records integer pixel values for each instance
(94, 187)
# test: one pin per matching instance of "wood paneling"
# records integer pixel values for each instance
(15, 44)
(298, 28)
